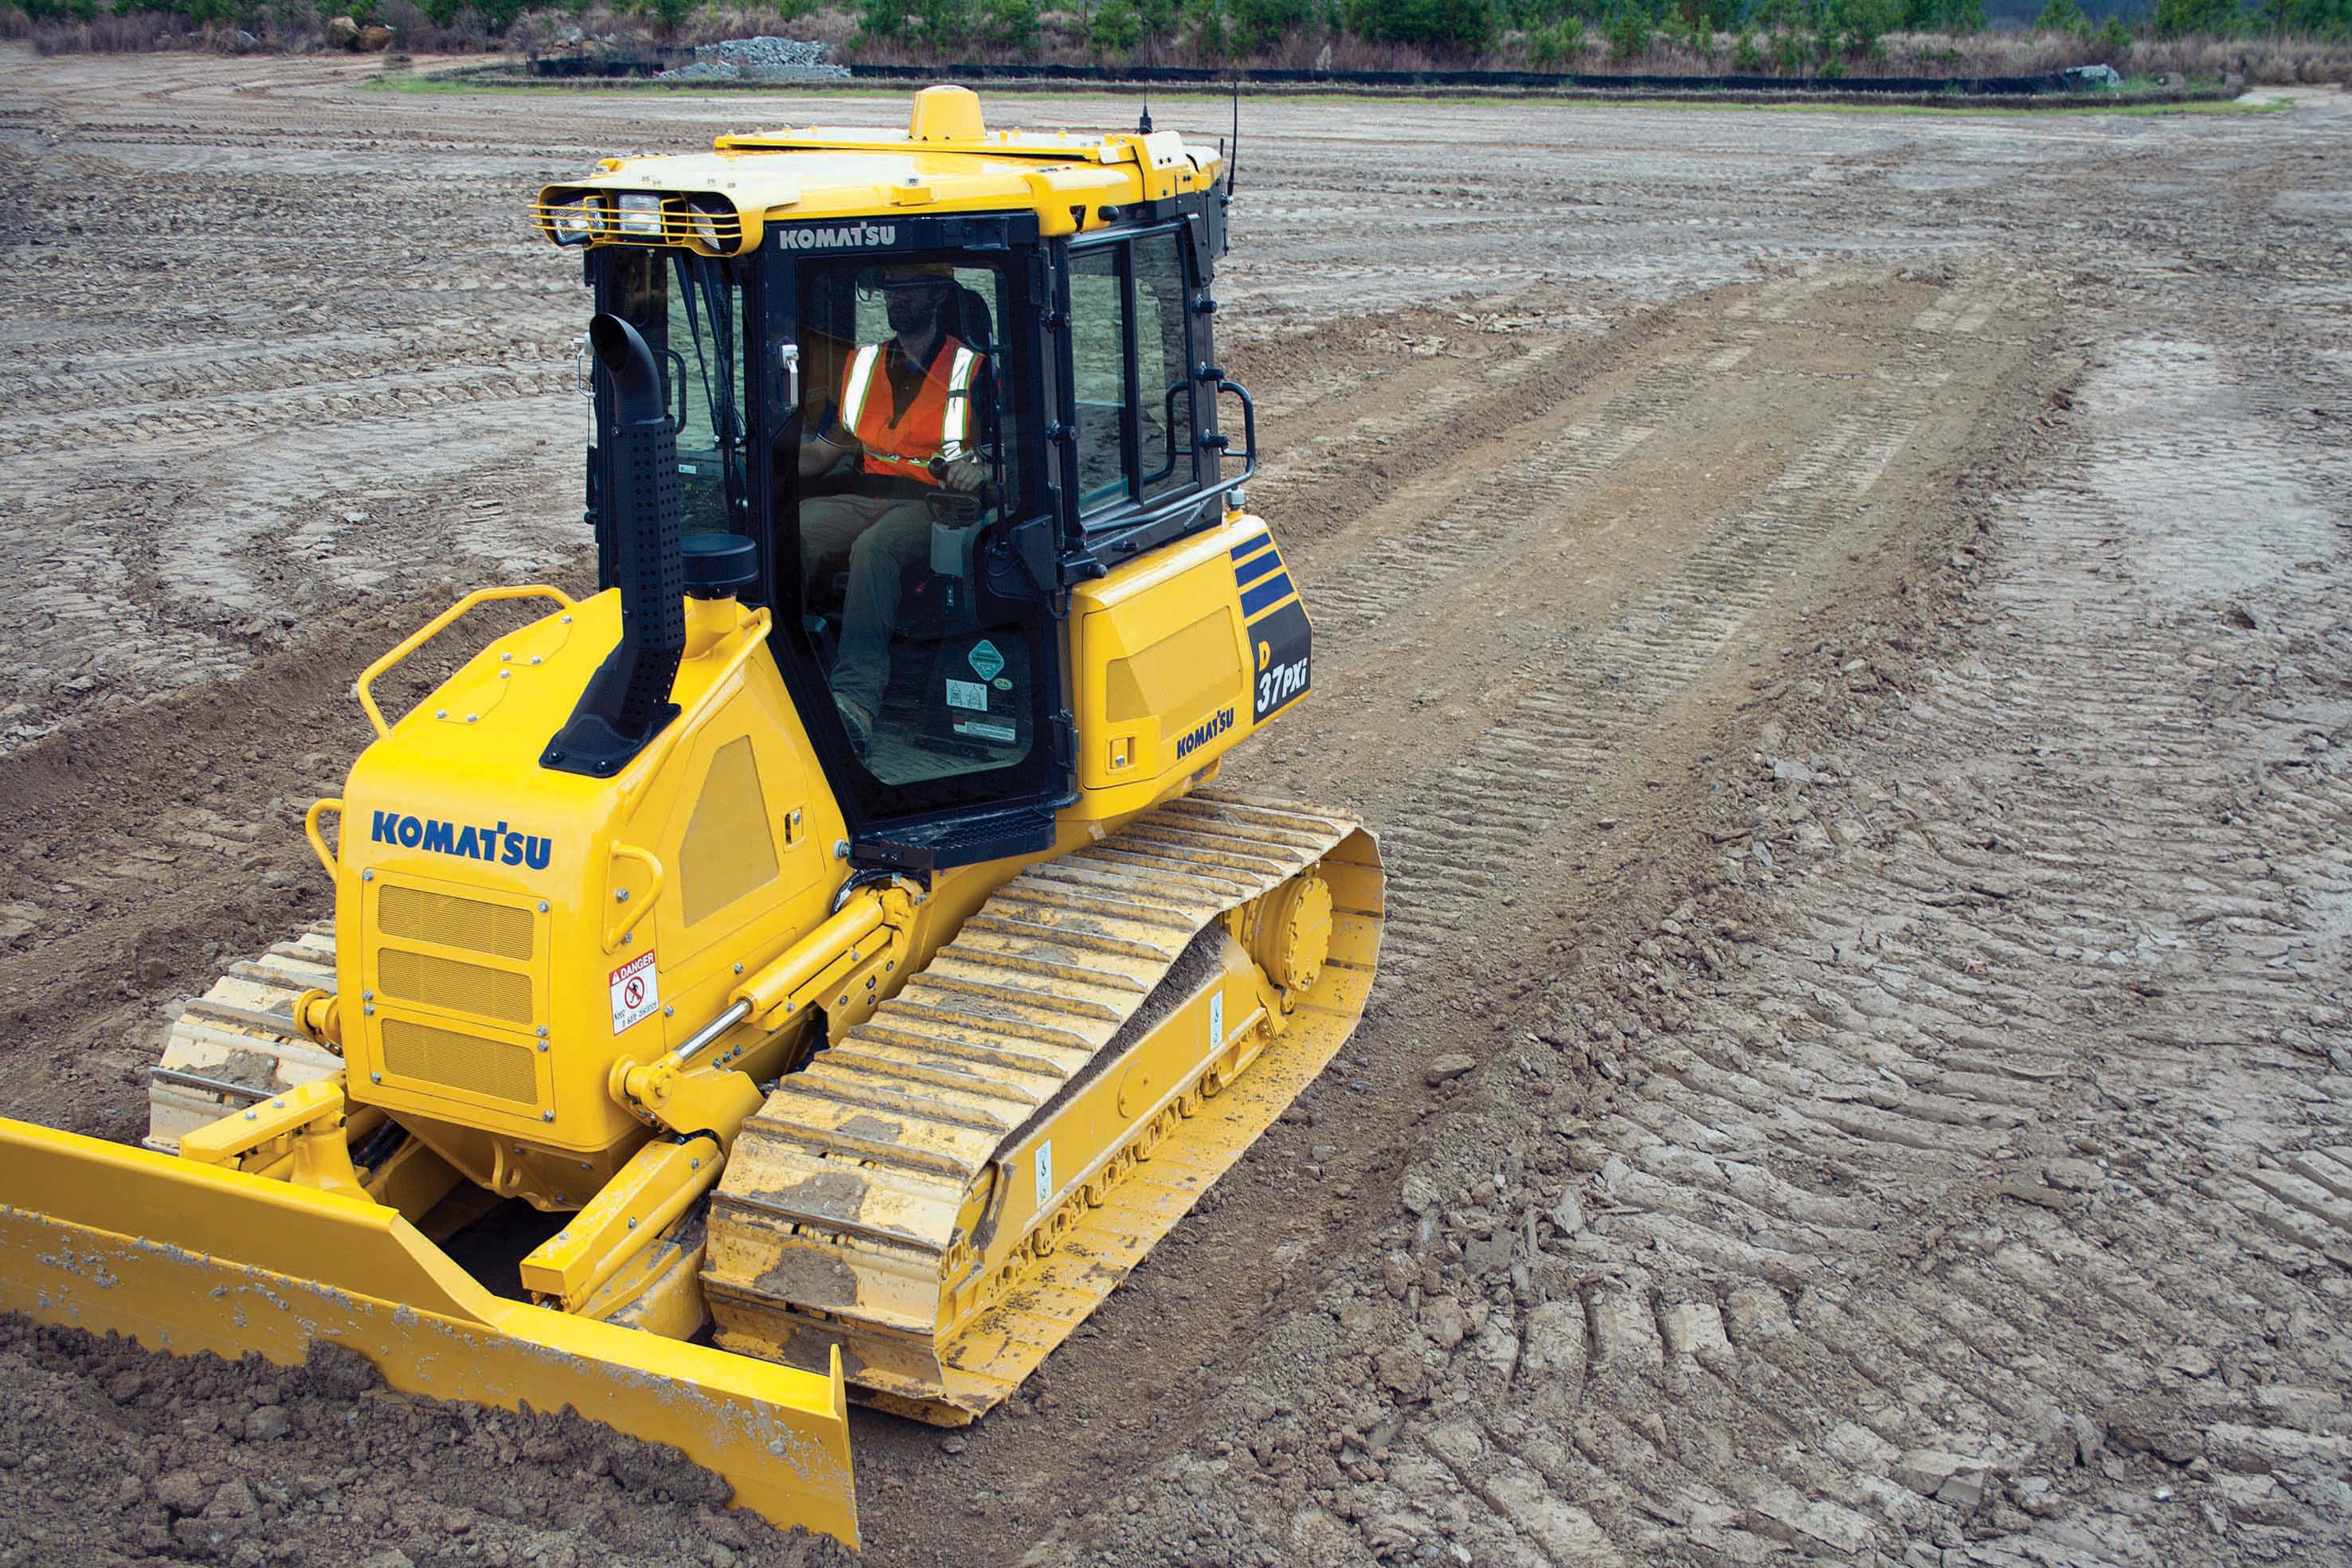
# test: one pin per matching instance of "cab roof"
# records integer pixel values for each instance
(946, 161)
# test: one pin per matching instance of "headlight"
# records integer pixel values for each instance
(715, 222)
(569, 222)
(641, 214)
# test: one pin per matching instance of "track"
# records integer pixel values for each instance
(240, 1035)
(1781, 584)
(843, 1214)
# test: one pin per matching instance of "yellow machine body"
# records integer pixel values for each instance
(896, 1136)
(493, 912)
(494, 915)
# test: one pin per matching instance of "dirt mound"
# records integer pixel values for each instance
(109, 1454)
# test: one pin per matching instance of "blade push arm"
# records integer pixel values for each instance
(840, 966)
(593, 1265)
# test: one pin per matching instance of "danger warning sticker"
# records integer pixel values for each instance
(637, 993)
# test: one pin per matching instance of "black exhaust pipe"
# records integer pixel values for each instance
(627, 702)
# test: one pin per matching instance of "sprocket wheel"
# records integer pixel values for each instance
(1294, 932)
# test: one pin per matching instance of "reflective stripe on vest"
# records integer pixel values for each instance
(936, 422)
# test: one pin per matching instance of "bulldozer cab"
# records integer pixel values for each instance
(931, 429)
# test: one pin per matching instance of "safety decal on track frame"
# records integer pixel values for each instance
(636, 992)
(1217, 1021)
(1045, 1173)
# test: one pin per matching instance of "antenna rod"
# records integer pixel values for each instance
(1143, 125)
(1237, 162)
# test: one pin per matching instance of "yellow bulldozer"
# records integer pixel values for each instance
(820, 964)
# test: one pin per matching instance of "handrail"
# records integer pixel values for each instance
(617, 924)
(317, 840)
(433, 629)
(1131, 533)
(1249, 434)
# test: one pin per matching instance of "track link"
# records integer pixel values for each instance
(860, 1206)
(237, 1043)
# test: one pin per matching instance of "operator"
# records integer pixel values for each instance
(905, 423)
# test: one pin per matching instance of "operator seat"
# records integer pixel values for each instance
(970, 319)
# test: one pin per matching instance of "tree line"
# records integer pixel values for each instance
(1752, 36)
(1554, 30)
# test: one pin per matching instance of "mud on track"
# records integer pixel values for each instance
(1836, 618)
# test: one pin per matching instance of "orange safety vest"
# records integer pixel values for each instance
(934, 425)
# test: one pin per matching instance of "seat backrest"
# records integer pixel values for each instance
(971, 319)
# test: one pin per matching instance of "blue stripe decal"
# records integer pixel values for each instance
(1249, 572)
(1244, 548)
(1270, 591)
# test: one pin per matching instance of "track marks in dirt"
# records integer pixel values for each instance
(1976, 1188)
(1575, 724)
(1640, 207)
(1504, 529)
(2019, 1326)
(1966, 1175)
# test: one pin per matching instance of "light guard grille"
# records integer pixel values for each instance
(413, 915)
(424, 1054)
(678, 225)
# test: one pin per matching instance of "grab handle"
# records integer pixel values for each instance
(620, 918)
(319, 840)
(433, 629)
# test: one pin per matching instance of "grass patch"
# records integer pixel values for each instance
(430, 82)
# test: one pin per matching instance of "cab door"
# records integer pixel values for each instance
(926, 664)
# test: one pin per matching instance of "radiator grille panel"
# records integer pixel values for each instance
(417, 915)
(449, 983)
(478, 1066)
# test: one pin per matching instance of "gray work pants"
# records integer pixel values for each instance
(884, 537)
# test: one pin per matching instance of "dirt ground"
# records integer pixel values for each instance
(1839, 620)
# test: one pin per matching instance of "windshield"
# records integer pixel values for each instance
(688, 308)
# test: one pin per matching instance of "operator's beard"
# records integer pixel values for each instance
(913, 317)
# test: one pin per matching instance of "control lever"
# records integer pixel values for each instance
(975, 504)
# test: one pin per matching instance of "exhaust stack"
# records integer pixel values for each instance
(626, 701)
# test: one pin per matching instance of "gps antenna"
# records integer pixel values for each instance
(1143, 125)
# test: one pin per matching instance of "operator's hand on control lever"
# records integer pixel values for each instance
(963, 474)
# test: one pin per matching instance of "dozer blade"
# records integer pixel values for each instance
(188, 1258)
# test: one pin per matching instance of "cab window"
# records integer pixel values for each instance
(1131, 373)
(1098, 373)
(689, 310)
(1166, 450)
